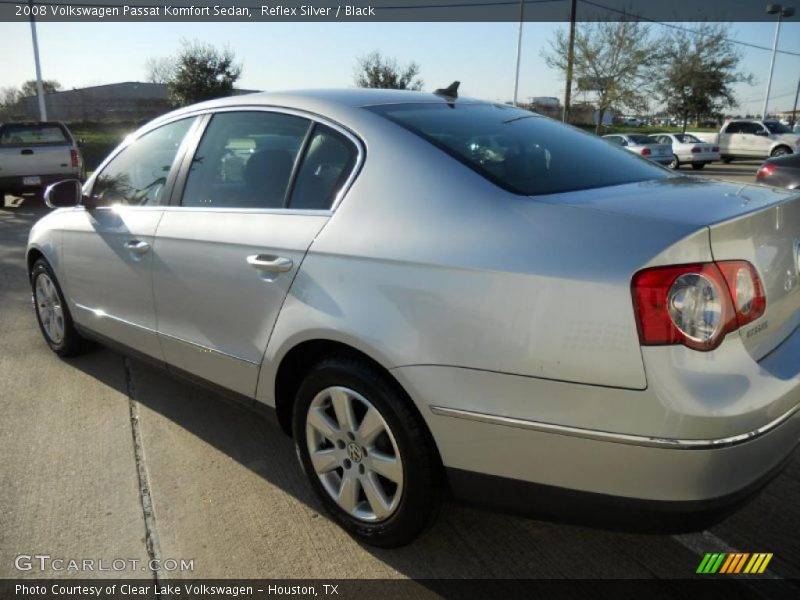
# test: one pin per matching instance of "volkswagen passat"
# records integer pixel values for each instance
(433, 294)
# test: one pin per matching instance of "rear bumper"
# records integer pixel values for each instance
(17, 184)
(601, 510)
(692, 442)
(662, 160)
(700, 158)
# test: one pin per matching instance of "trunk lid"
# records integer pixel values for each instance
(770, 240)
(745, 222)
(31, 149)
(35, 160)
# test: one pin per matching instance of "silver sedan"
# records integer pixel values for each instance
(642, 145)
(431, 293)
(687, 149)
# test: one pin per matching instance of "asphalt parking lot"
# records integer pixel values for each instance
(93, 444)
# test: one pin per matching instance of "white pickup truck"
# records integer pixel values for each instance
(34, 155)
(745, 138)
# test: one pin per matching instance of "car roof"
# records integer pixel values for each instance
(324, 101)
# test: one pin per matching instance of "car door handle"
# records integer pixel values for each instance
(26, 151)
(137, 246)
(269, 263)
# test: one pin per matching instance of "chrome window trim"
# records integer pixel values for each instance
(616, 438)
(314, 117)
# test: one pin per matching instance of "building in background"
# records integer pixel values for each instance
(128, 101)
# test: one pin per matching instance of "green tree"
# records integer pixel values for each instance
(377, 71)
(611, 59)
(202, 72)
(29, 87)
(697, 72)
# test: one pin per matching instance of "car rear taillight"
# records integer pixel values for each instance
(766, 170)
(74, 158)
(696, 305)
(696, 149)
(645, 152)
(746, 290)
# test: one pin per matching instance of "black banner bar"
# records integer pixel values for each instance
(382, 10)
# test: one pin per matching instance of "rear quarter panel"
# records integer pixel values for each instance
(427, 263)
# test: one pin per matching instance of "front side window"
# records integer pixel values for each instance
(138, 174)
(245, 160)
(521, 152)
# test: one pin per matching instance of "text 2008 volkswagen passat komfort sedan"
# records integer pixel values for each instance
(444, 294)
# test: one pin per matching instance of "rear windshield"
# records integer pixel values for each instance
(642, 140)
(520, 151)
(30, 135)
(686, 138)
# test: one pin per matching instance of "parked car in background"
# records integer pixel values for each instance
(33, 155)
(463, 305)
(642, 145)
(631, 122)
(783, 171)
(742, 138)
(687, 149)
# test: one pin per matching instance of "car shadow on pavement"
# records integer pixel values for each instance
(463, 543)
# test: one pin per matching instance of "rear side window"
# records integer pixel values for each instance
(522, 152)
(328, 161)
(245, 160)
(32, 135)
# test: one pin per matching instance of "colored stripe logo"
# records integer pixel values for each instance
(734, 562)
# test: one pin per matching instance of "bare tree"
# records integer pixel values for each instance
(9, 96)
(376, 71)
(159, 69)
(29, 87)
(612, 59)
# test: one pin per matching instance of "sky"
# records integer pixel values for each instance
(282, 56)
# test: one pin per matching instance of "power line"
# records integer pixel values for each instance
(681, 28)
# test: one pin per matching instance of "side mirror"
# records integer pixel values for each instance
(761, 132)
(64, 194)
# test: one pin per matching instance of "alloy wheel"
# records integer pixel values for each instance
(354, 454)
(49, 309)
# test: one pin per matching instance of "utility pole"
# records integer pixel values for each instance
(519, 48)
(570, 60)
(781, 11)
(794, 108)
(39, 86)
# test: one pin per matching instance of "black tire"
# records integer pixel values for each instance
(698, 166)
(781, 151)
(726, 159)
(675, 164)
(71, 343)
(421, 492)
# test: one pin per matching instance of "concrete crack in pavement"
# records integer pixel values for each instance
(151, 533)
